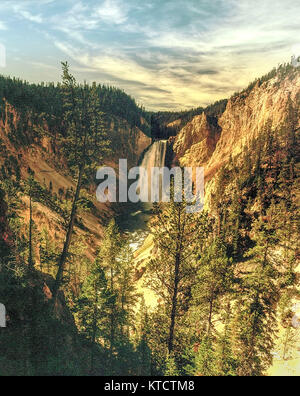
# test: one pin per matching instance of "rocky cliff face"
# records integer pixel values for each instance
(205, 142)
(197, 140)
(43, 156)
(127, 142)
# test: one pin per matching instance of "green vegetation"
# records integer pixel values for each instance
(36, 103)
(280, 72)
(160, 121)
(223, 279)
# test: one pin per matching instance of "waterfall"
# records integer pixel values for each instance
(136, 217)
(154, 157)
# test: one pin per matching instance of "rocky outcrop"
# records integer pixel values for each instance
(127, 142)
(201, 143)
(196, 142)
(45, 158)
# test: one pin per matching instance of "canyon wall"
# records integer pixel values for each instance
(43, 156)
(209, 142)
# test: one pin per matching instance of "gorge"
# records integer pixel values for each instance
(249, 148)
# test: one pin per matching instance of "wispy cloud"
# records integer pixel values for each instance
(112, 11)
(3, 26)
(168, 54)
(30, 17)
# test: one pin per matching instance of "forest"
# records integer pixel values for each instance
(223, 279)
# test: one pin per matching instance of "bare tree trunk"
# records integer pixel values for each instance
(94, 328)
(210, 316)
(64, 255)
(30, 259)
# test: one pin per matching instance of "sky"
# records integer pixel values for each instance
(167, 54)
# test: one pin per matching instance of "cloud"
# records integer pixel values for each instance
(41, 65)
(165, 85)
(180, 53)
(23, 9)
(112, 11)
(30, 17)
(3, 26)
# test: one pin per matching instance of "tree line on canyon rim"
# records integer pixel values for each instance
(224, 279)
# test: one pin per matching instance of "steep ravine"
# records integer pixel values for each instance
(44, 157)
(206, 140)
(210, 143)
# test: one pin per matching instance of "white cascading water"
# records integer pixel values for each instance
(154, 157)
(136, 222)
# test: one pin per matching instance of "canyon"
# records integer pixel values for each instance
(210, 139)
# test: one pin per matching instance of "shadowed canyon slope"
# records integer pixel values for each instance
(30, 144)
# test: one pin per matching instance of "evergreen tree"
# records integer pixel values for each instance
(171, 368)
(108, 256)
(48, 253)
(93, 309)
(84, 144)
(142, 340)
(214, 279)
(173, 268)
(204, 363)
(115, 257)
(255, 320)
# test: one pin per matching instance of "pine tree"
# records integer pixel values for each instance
(142, 340)
(171, 368)
(92, 309)
(226, 364)
(127, 294)
(171, 271)
(214, 279)
(255, 320)
(210, 312)
(31, 188)
(84, 145)
(291, 335)
(48, 253)
(30, 259)
(204, 363)
(108, 256)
